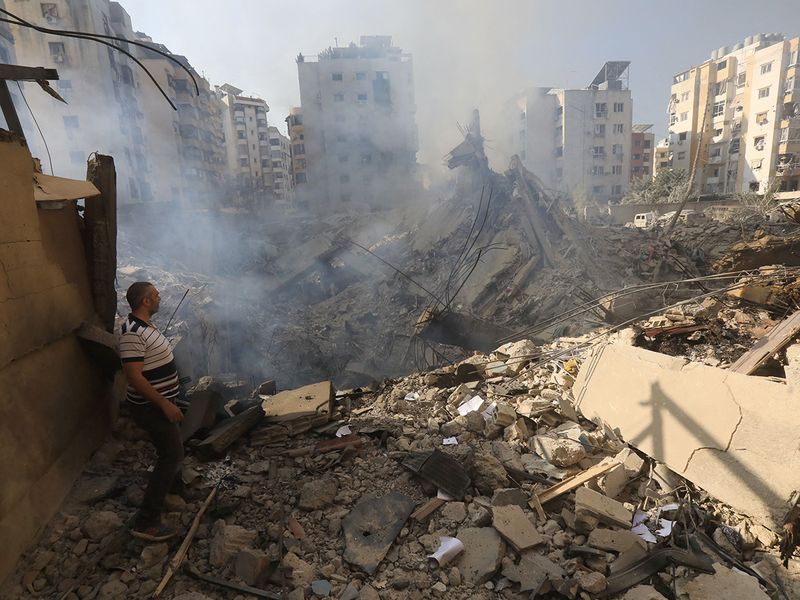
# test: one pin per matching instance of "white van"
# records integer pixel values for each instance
(644, 220)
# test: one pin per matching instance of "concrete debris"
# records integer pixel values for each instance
(516, 528)
(483, 552)
(561, 452)
(722, 585)
(318, 493)
(604, 508)
(227, 541)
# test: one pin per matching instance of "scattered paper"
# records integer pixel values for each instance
(449, 548)
(343, 430)
(412, 396)
(451, 441)
(640, 517)
(666, 528)
(489, 411)
(643, 532)
(444, 496)
(470, 405)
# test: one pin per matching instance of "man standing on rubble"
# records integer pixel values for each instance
(149, 365)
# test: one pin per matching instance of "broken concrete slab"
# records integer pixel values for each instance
(516, 528)
(489, 473)
(723, 584)
(532, 571)
(251, 565)
(306, 401)
(318, 493)
(506, 496)
(562, 452)
(604, 508)
(483, 551)
(371, 527)
(302, 573)
(227, 541)
(614, 540)
(731, 434)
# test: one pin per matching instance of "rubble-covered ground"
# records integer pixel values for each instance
(283, 519)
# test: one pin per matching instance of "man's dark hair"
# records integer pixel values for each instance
(137, 293)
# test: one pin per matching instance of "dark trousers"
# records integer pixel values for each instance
(166, 437)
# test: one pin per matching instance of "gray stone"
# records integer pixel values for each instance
(153, 554)
(350, 592)
(321, 588)
(489, 473)
(101, 523)
(479, 516)
(302, 572)
(251, 565)
(475, 422)
(455, 427)
(593, 582)
(368, 593)
(561, 452)
(454, 512)
(227, 541)
(506, 496)
(483, 552)
(91, 490)
(318, 493)
(643, 592)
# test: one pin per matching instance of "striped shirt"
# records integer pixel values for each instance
(140, 342)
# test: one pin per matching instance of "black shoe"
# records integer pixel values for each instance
(153, 533)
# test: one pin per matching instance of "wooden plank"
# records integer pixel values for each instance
(427, 509)
(21, 73)
(571, 483)
(768, 345)
(9, 112)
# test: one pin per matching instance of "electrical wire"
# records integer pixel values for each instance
(97, 38)
(46, 147)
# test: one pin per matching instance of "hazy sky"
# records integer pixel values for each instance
(466, 53)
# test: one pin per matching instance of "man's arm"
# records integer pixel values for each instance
(133, 371)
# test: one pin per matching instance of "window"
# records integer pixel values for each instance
(338, 97)
(619, 107)
(50, 12)
(718, 132)
(616, 149)
(71, 122)
(722, 65)
(714, 152)
(241, 135)
(274, 142)
(264, 162)
(638, 143)
(599, 151)
(619, 128)
(636, 157)
(559, 151)
(684, 96)
(647, 143)
(599, 170)
(336, 76)
(343, 158)
(382, 75)
(366, 158)
(600, 109)
(361, 76)
(685, 116)
(756, 164)
(719, 108)
(734, 147)
(784, 135)
(77, 157)
(763, 92)
(57, 52)
(300, 178)
(598, 189)
(616, 170)
(680, 77)
(793, 57)
(720, 87)
(361, 98)
(766, 68)
(673, 118)
(682, 136)
(600, 130)
(761, 118)
(243, 162)
(681, 155)
(299, 148)
(759, 142)
(616, 190)
(741, 79)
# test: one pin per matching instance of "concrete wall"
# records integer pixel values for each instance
(53, 402)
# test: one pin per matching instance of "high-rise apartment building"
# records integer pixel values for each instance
(642, 151)
(281, 158)
(736, 117)
(577, 141)
(247, 142)
(358, 116)
(100, 85)
(186, 147)
(297, 139)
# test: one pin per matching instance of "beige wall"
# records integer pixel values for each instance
(53, 401)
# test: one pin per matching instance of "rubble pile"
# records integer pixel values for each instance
(481, 479)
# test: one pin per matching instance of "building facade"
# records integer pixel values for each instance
(247, 143)
(359, 126)
(297, 138)
(576, 141)
(281, 157)
(642, 151)
(736, 117)
(100, 85)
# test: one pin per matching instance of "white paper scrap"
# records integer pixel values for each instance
(343, 430)
(451, 441)
(489, 411)
(643, 532)
(412, 396)
(470, 405)
(666, 528)
(449, 548)
(640, 517)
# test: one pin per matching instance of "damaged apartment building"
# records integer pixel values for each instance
(737, 117)
(358, 115)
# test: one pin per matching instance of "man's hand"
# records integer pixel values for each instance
(172, 412)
